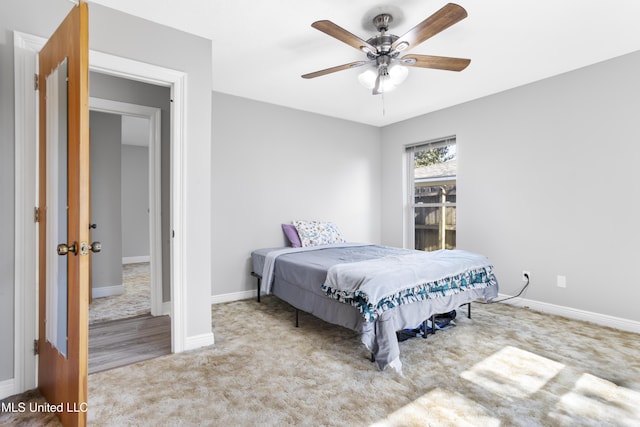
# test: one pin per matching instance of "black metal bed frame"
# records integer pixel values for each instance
(424, 323)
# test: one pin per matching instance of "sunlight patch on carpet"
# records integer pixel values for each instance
(440, 407)
(513, 372)
(594, 398)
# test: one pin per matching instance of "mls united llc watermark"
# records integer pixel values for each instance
(21, 407)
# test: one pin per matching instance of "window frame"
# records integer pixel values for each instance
(410, 203)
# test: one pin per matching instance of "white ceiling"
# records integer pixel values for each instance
(260, 48)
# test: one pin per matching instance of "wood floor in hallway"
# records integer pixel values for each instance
(125, 341)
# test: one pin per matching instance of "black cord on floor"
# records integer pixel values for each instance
(515, 296)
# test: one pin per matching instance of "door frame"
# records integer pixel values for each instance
(155, 189)
(26, 48)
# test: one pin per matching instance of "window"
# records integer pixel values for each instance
(432, 194)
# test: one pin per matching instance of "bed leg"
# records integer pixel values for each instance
(425, 325)
(469, 310)
(259, 283)
(433, 324)
(297, 312)
(375, 334)
(259, 279)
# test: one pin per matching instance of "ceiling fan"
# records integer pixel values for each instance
(383, 50)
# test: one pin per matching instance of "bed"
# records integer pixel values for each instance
(373, 289)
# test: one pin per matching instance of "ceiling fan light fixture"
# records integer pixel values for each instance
(395, 75)
(368, 77)
(398, 73)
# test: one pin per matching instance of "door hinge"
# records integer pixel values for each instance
(35, 347)
(36, 214)
(36, 81)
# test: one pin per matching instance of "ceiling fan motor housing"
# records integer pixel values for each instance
(383, 41)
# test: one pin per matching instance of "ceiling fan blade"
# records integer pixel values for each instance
(334, 69)
(437, 62)
(343, 35)
(439, 21)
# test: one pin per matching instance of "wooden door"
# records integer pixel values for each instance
(64, 220)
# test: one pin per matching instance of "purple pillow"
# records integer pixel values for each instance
(292, 235)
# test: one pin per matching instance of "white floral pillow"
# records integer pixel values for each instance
(316, 233)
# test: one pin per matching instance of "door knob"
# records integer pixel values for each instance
(64, 249)
(96, 247)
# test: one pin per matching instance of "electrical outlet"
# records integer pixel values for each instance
(562, 281)
(526, 275)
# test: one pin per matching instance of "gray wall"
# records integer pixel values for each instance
(135, 201)
(119, 198)
(272, 165)
(14, 16)
(547, 177)
(149, 43)
(134, 92)
(7, 207)
(106, 134)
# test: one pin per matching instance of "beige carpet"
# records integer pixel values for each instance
(135, 301)
(505, 367)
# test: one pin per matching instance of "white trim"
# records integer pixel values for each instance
(166, 308)
(574, 313)
(153, 114)
(136, 260)
(178, 214)
(409, 186)
(234, 296)
(177, 81)
(571, 313)
(198, 341)
(409, 225)
(25, 48)
(559, 310)
(107, 291)
(7, 388)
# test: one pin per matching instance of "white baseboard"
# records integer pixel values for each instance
(7, 388)
(107, 291)
(573, 313)
(197, 341)
(135, 259)
(166, 308)
(234, 296)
